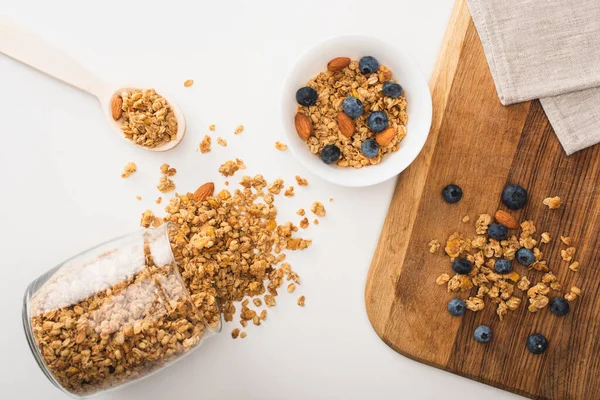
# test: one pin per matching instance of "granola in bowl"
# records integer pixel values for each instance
(353, 114)
(299, 129)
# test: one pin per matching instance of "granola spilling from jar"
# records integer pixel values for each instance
(105, 322)
(353, 114)
(230, 248)
(146, 117)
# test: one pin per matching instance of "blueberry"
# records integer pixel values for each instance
(370, 148)
(525, 256)
(559, 306)
(514, 197)
(503, 266)
(537, 343)
(457, 307)
(462, 266)
(353, 107)
(368, 65)
(452, 193)
(391, 89)
(483, 334)
(378, 121)
(306, 96)
(330, 154)
(498, 231)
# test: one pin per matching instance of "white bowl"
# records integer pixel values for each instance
(404, 71)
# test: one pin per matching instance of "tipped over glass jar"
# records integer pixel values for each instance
(113, 314)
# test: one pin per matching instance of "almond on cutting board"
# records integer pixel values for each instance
(116, 107)
(204, 191)
(338, 64)
(384, 138)
(504, 218)
(346, 125)
(303, 126)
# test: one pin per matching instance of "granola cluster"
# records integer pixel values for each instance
(94, 334)
(502, 289)
(147, 119)
(229, 247)
(332, 88)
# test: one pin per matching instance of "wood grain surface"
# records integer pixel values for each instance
(480, 145)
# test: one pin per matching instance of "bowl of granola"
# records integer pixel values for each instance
(356, 110)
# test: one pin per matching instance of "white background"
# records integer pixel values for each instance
(61, 190)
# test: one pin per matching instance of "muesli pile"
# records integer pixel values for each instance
(229, 247)
(147, 119)
(483, 265)
(353, 114)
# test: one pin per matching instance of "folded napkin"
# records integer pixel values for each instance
(547, 50)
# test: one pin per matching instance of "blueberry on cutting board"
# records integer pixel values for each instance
(537, 343)
(452, 194)
(514, 197)
(457, 307)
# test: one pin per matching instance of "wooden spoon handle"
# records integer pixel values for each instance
(31, 50)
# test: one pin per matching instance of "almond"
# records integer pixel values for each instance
(303, 126)
(384, 138)
(116, 107)
(346, 124)
(338, 64)
(504, 218)
(204, 191)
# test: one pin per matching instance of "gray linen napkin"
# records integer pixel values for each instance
(547, 50)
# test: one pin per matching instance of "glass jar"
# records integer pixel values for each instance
(113, 314)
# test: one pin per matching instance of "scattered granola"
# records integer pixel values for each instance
(212, 127)
(129, 169)
(545, 237)
(281, 146)
(466, 218)
(573, 293)
(318, 208)
(301, 301)
(147, 119)
(243, 334)
(442, 279)
(188, 83)
(301, 212)
(574, 266)
(552, 202)
(231, 167)
(325, 123)
(235, 333)
(159, 200)
(138, 197)
(289, 192)
(276, 186)
(166, 184)
(221, 141)
(291, 288)
(566, 240)
(434, 246)
(239, 129)
(316, 222)
(481, 225)
(301, 181)
(331, 199)
(167, 170)
(567, 255)
(204, 146)
(304, 223)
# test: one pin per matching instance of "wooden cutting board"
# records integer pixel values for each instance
(480, 145)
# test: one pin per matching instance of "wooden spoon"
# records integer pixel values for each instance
(31, 50)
